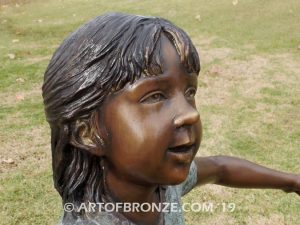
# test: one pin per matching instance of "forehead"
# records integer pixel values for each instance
(178, 53)
(171, 66)
(172, 72)
(171, 61)
(169, 55)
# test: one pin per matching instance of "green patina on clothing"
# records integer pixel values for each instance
(172, 194)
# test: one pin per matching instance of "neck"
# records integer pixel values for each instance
(125, 191)
(122, 190)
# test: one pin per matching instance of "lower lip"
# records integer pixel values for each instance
(184, 156)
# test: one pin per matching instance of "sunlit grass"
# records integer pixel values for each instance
(248, 98)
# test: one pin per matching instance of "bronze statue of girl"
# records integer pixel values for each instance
(119, 96)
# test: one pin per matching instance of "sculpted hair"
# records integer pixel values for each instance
(98, 59)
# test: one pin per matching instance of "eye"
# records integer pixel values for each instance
(191, 92)
(153, 97)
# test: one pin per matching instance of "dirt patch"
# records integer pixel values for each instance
(244, 77)
(207, 56)
(11, 98)
(17, 3)
(231, 83)
(217, 191)
(34, 60)
(204, 42)
(31, 147)
(217, 219)
(277, 219)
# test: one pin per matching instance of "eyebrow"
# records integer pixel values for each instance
(149, 81)
(153, 81)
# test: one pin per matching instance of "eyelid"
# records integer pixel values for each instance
(192, 88)
(149, 95)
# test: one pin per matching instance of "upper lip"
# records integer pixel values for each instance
(188, 142)
(183, 138)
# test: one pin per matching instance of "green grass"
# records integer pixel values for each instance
(249, 107)
(27, 203)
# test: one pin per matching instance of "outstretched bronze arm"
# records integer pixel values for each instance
(235, 172)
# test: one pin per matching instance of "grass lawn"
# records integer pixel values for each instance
(249, 99)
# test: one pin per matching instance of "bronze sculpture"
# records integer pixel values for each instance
(119, 98)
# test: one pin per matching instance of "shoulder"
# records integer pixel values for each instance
(191, 180)
(100, 218)
(188, 184)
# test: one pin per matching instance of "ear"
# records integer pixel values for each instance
(85, 137)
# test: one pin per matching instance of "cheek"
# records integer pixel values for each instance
(135, 130)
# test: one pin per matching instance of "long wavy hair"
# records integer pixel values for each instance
(98, 59)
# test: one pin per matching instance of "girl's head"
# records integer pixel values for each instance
(92, 80)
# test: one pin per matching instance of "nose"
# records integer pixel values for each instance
(187, 114)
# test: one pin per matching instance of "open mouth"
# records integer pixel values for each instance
(182, 149)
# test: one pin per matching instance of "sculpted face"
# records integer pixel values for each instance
(153, 125)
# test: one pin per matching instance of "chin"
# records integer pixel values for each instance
(177, 176)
